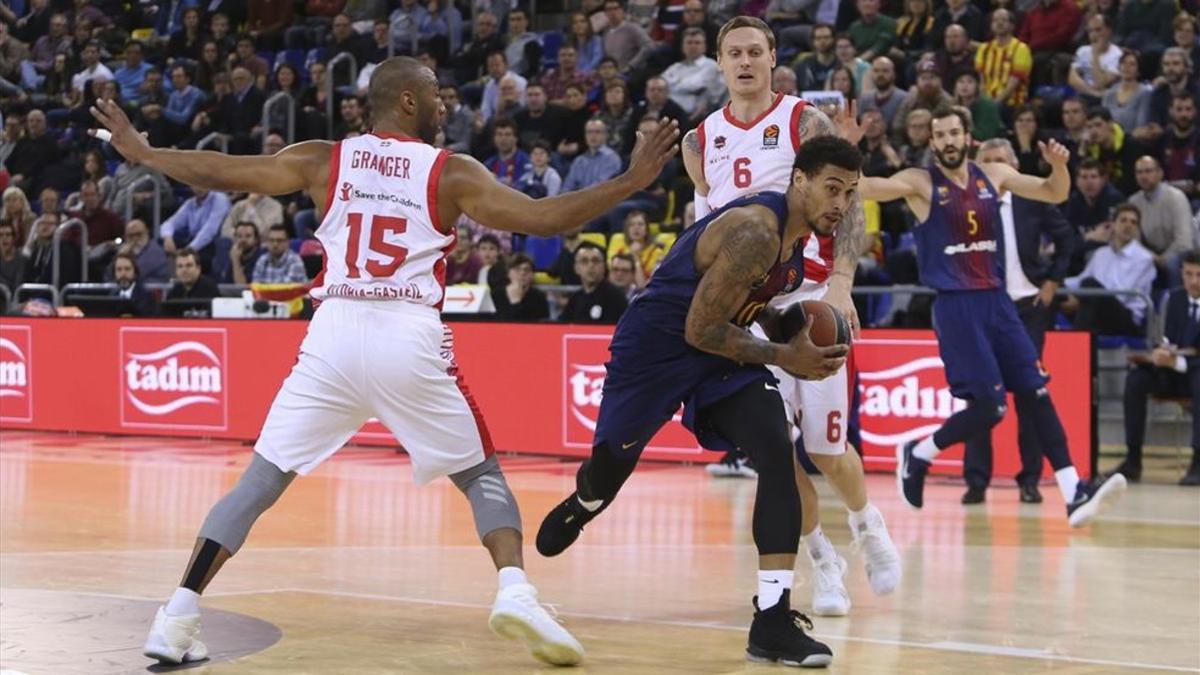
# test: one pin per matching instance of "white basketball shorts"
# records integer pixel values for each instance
(821, 407)
(390, 360)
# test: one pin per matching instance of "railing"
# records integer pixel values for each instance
(1152, 325)
(81, 288)
(41, 288)
(215, 138)
(56, 264)
(329, 77)
(156, 196)
(291, 115)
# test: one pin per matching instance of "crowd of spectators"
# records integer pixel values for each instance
(552, 103)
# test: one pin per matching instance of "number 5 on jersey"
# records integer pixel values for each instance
(390, 256)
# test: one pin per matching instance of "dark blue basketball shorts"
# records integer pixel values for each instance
(984, 346)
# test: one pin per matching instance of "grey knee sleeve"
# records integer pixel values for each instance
(230, 519)
(493, 504)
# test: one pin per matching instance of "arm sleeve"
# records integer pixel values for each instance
(212, 224)
(1022, 63)
(1180, 214)
(701, 205)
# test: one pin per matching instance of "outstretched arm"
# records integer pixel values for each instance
(303, 166)
(472, 189)
(899, 185)
(1053, 189)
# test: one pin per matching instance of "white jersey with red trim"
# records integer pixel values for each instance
(381, 232)
(739, 158)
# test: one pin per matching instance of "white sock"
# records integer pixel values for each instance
(771, 585)
(859, 517)
(592, 505)
(510, 576)
(1068, 482)
(926, 449)
(819, 547)
(183, 602)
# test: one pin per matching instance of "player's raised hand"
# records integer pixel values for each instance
(125, 138)
(1055, 153)
(846, 121)
(652, 152)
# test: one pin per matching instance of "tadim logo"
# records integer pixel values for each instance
(174, 378)
(584, 357)
(16, 374)
(904, 392)
(346, 191)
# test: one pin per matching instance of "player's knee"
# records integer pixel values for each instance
(230, 520)
(989, 412)
(492, 502)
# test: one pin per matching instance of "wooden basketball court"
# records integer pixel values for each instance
(358, 571)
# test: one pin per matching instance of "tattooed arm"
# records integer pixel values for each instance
(695, 170)
(851, 232)
(740, 246)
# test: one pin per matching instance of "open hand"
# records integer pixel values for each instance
(125, 138)
(652, 152)
(845, 118)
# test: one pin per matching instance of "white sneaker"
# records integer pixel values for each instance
(517, 615)
(172, 639)
(731, 466)
(829, 591)
(880, 556)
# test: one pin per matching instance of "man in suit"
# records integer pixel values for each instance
(1168, 372)
(240, 114)
(1032, 283)
(129, 285)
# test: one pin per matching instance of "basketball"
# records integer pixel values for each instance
(829, 326)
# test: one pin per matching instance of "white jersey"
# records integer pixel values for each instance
(381, 232)
(739, 158)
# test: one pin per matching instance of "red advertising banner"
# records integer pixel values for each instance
(539, 385)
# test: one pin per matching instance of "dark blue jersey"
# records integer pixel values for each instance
(960, 245)
(668, 296)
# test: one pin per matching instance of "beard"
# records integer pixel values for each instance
(428, 128)
(960, 156)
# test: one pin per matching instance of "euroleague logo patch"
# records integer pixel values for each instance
(771, 136)
(719, 142)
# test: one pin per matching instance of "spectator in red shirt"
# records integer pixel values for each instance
(462, 265)
(104, 226)
(1049, 29)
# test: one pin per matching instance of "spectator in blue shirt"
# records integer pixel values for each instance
(196, 225)
(598, 164)
(510, 162)
(131, 75)
(183, 103)
(442, 19)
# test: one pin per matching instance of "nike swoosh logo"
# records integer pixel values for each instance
(568, 519)
(770, 387)
(626, 446)
(906, 475)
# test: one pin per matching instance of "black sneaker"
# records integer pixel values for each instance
(910, 475)
(776, 636)
(974, 495)
(1192, 477)
(1092, 498)
(561, 527)
(1030, 494)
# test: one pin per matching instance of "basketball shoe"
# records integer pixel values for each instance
(732, 465)
(517, 615)
(172, 639)
(1093, 498)
(776, 635)
(561, 527)
(880, 556)
(910, 475)
(830, 597)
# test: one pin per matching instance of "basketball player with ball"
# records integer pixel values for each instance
(747, 147)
